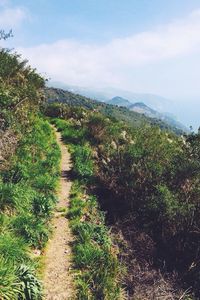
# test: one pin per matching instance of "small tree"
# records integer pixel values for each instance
(5, 35)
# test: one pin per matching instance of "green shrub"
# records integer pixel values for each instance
(13, 248)
(76, 209)
(73, 135)
(83, 164)
(90, 231)
(30, 285)
(32, 229)
(60, 124)
(10, 287)
(43, 205)
(45, 183)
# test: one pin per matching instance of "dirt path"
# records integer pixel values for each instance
(58, 282)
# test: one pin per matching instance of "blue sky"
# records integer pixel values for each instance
(150, 46)
(95, 20)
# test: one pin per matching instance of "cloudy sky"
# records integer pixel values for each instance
(148, 46)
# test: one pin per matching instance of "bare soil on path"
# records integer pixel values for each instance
(58, 280)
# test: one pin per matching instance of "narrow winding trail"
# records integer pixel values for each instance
(58, 281)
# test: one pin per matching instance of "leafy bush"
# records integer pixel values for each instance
(60, 124)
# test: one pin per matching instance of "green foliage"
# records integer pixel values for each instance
(26, 201)
(153, 176)
(42, 205)
(9, 282)
(90, 231)
(75, 211)
(93, 251)
(73, 135)
(11, 195)
(60, 124)
(33, 229)
(83, 165)
(18, 283)
(30, 285)
(68, 105)
(13, 248)
(29, 169)
(20, 92)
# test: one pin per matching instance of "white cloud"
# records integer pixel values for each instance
(77, 63)
(11, 17)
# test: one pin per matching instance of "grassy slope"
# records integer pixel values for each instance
(27, 198)
(29, 159)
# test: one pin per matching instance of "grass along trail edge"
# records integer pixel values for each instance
(58, 280)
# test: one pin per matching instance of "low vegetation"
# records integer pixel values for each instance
(26, 201)
(143, 175)
(95, 259)
(98, 272)
(29, 171)
(147, 180)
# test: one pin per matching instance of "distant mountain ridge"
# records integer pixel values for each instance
(142, 108)
(119, 101)
(156, 102)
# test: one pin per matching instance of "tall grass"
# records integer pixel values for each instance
(98, 275)
(27, 198)
(83, 165)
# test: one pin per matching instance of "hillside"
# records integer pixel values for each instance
(146, 181)
(39, 221)
(117, 112)
(142, 108)
(119, 101)
(29, 170)
(115, 215)
(105, 94)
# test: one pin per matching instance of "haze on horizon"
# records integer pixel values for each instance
(142, 46)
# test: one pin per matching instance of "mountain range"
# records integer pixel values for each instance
(156, 102)
(150, 105)
(142, 108)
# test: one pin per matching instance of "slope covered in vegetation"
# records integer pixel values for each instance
(28, 176)
(112, 111)
(148, 182)
(145, 177)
